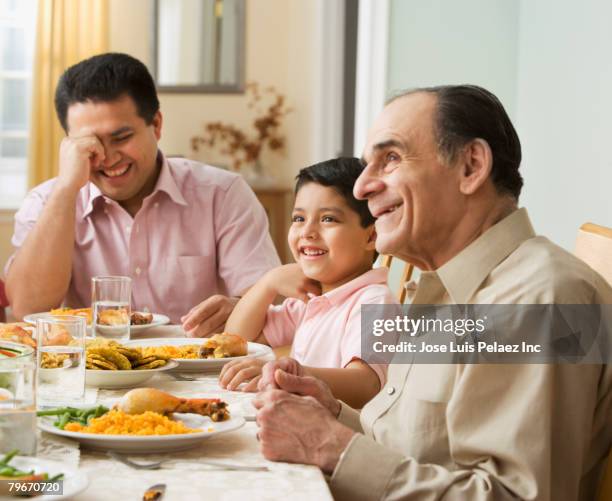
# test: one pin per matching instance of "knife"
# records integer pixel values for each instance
(154, 493)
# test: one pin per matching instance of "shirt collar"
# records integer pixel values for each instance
(465, 272)
(340, 294)
(165, 182)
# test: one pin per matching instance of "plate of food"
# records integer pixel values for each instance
(110, 364)
(200, 354)
(144, 420)
(32, 473)
(139, 320)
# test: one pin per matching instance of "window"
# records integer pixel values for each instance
(17, 30)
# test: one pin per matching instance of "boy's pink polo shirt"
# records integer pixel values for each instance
(326, 331)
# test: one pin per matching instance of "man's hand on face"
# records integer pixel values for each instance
(209, 316)
(78, 156)
(288, 375)
(299, 430)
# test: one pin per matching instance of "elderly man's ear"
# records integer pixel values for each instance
(475, 165)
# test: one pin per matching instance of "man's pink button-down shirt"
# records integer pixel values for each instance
(202, 231)
(326, 331)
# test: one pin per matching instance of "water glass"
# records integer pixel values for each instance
(60, 360)
(17, 399)
(111, 307)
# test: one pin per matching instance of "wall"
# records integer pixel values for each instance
(447, 42)
(281, 51)
(564, 116)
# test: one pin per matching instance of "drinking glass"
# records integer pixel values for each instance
(17, 399)
(60, 360)
(110, 297)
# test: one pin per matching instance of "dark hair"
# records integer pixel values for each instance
(340, 174)
(467, 112)
(104, 78)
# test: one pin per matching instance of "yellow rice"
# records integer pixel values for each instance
(116, 422)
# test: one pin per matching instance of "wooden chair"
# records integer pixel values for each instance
(594, 246)
(404, 278)
(3, 302)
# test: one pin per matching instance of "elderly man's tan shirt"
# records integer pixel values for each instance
(488, 432)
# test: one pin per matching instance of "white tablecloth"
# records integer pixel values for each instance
(111, 480)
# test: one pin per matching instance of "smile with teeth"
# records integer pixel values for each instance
(116, 172)
(390, 210)
(312, 251)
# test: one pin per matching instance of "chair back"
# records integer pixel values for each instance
(594, 246)
(405, 276)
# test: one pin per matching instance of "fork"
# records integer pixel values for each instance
(156, 465)
(180, 377)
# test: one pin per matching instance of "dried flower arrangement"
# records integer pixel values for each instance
(242, 147)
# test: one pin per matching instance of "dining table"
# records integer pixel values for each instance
(185, 473)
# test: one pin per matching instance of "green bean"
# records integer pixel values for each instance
(59, 476)
(7, 471)
(10, 455)
(63, 421)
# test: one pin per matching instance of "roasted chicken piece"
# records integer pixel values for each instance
(223, 346)
(141, 400)
(141, 318)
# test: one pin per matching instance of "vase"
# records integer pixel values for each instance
(255, 175)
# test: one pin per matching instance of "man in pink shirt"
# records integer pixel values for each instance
(191, 237)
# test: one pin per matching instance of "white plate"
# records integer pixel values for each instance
(158, 319)
(199, 364)
(75, 481)
(123, 378)
(145, 444)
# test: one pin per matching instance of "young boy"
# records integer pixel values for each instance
(332, 239)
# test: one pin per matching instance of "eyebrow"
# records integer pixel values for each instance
(120, 131)
(383, 145)
(321, 209)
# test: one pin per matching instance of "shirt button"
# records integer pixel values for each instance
(156, 204)
(137, 270)
(390, 390)
(128, 228)
(105, 211)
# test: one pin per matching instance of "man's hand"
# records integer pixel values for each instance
(299, 430)
(78, 156)
(285, 364)
(289, 281)
(238, 371)
(209, 316)
(286, 378)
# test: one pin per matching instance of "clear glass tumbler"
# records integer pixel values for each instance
(110, 298)
(60, 360)
(17, 398)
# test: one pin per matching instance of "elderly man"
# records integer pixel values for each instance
(183, 231)
(442, 178)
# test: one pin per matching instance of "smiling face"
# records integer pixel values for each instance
(129, 171)
(414, 196)
(327, 239)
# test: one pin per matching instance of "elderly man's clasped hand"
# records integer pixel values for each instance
(296, 416)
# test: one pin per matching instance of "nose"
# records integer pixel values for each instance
(308, 230)
(368, 184)
(112, 156)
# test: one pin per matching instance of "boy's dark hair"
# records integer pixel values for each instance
(340, 174)
(104, 78)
